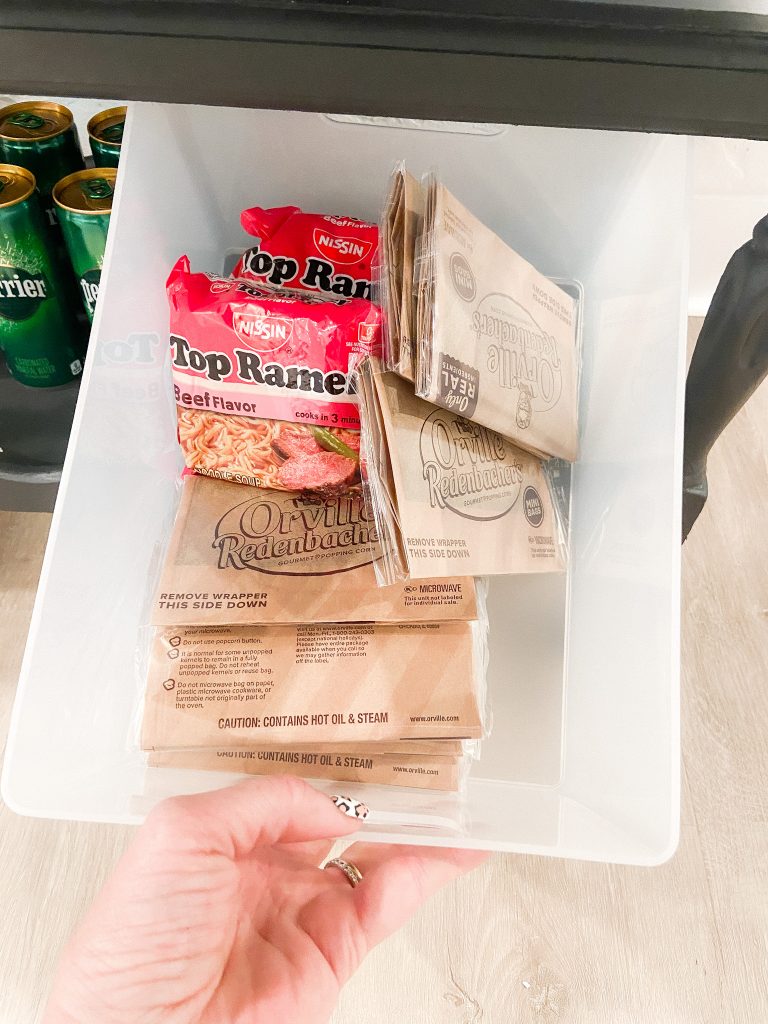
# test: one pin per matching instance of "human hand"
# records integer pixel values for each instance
(219, 914)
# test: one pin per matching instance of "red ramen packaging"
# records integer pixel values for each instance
(448, 495)
(313, 252)
(262, 381)
(497, 339)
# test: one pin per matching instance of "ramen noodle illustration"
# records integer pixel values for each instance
(267, 453)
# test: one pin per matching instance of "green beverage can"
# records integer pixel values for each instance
(105, 133)
(36, 328)
(41, 136)
(84, 202)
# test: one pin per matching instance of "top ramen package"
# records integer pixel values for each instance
(262, 381)
(312, 252)
(497, 339)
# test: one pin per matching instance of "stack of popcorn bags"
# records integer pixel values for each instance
(471, 418)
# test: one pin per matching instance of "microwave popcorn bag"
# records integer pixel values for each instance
(268, 556)
(496, 339)
(322, 253)
(262, 381)
(246, 686)
(419, 771)
(448, 495)
(401, 225)
(444, 748)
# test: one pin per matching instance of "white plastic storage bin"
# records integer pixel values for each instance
(583, 758)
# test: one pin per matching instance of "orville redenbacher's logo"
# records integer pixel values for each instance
(519, 354)
(467, 468)
(296, 536)
(21, 293)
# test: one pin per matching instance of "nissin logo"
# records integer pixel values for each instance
(263, 332)
(339, 249)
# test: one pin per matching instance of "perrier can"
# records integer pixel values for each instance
(84, 202)
(105, 133)
(41, 136)
(36, 329)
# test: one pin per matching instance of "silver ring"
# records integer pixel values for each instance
(352, 871)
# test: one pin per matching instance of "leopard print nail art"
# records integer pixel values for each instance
(352, 808)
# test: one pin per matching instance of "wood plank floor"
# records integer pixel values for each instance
(524, 940)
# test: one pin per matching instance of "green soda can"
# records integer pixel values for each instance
(36, 329)
(84, 202)
(105, 133)
(41, 136)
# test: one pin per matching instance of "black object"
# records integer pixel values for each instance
(544, 62)
(34, 430)
(730, 361)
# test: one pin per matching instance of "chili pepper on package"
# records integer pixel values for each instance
(262, 381)
(309, 251)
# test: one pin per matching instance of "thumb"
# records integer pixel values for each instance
(255, 812)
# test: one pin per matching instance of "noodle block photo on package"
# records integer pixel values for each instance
(263, 382)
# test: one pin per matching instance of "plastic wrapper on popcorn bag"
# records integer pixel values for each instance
(366, 765)
(265, 556)
(243, 686)
(401, 223)
(259, 700)
(262, 382)
(450, 496)
(497, 340)
(322, 253)
(391, 567)
(449, 748)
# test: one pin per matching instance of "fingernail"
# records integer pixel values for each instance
(352, 808)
